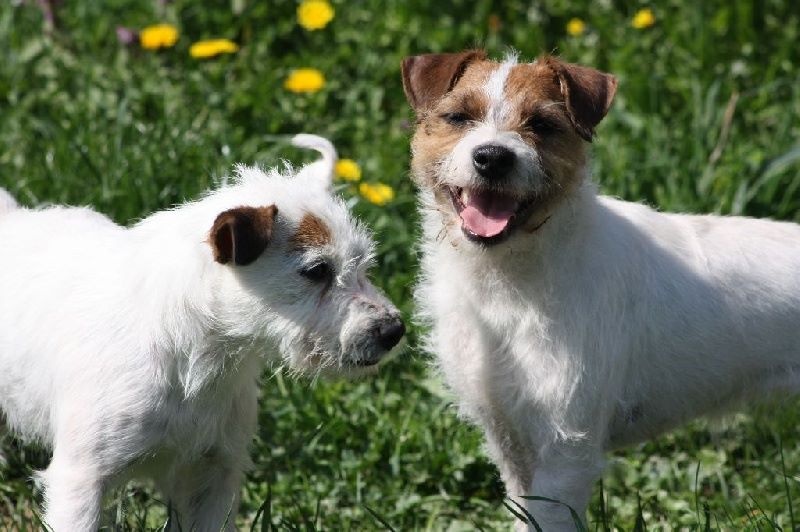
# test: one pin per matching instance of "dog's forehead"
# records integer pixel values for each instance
(311, 232)
(331, 231)
(532, 80)
(487, 83)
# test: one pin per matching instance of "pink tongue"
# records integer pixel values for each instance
(487, 214)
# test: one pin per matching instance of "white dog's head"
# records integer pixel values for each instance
(294, 270)
(498, 144)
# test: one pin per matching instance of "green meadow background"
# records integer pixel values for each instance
(707, 119)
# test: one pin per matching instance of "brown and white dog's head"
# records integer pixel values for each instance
(499, 144)
(292, 270)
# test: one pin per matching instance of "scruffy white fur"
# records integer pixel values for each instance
(607, 325)
(131, 352)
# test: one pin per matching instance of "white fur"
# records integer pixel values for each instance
(607, 326)
(132, 353)
(495, 91)
(7, 203)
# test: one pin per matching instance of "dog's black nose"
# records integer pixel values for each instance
(493, 160)
(390, 332)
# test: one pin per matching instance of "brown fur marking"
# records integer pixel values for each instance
(435, 136)
(428, 77)
(587, 94)
(312, 232)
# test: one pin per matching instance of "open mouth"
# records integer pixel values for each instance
(488, 217)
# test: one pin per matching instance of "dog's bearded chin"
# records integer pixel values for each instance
(487, 216)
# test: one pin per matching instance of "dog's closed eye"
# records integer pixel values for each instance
(541, 124)
(456, 119)
(318, 273)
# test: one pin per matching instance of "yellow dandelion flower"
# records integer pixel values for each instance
(212, 47)
(376, 193)
(314, 14)
(644, 18)
(348, 170)
(304, 80)
(158, 36)
(575, 27)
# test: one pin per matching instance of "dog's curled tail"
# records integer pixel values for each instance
(7, 202)
(323, 146)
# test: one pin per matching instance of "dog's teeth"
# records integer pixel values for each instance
(464, 196)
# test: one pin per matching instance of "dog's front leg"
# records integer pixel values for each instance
(566, 476)
(73, 495)
(509, 455)
(205, 495)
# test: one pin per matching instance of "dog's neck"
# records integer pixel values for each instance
(185, 320)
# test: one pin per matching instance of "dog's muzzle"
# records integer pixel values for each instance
(493, 161)
(384, 335)
(390, 332)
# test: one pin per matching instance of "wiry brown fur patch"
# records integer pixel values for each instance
(427, 77)
(312, 232)
(435, 137)
(536, 99)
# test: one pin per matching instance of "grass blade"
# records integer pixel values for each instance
(786, 486)
(575, 517)
(264, 512)
(524, 516)
(378, 518)
(640, 525)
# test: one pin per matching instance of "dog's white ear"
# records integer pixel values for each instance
(241, 235)
(587, 93)
(428, 77)
(322, 170)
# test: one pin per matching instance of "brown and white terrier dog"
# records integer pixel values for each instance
(570, 323)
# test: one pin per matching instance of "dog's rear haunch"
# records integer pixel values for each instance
(135, 352)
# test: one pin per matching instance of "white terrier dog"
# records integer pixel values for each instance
(570, 323)
(135, 352)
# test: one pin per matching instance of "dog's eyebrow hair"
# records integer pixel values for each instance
(542, 106)
(473, 103)
(312, 232)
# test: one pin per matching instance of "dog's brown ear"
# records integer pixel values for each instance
(242, 234)
(587, 93)
(428, 77)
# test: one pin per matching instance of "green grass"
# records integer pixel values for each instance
(707, 119)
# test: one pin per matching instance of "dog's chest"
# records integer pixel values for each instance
(490, 318)
(187, 428)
